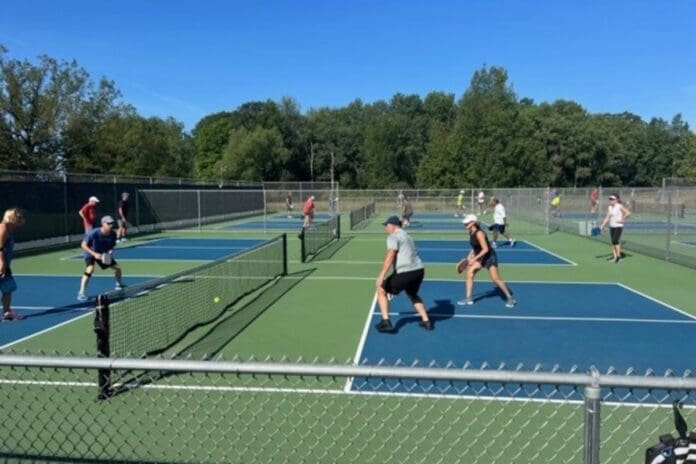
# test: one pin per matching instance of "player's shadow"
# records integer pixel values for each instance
(495, 292)
(443, 310)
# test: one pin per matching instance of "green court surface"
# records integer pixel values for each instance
(318, 313)
(337, 287)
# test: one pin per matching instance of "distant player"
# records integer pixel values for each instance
(308, 212)
(594, 200)
(123, 206)
(460, 204)
(406, 211)
(555, 204)
(98, 246)
(499, 225)
(13, 218)
(481, 255)
(617, 214)
(88, 213)
(402, 257)
(481, 202)
(288, 204)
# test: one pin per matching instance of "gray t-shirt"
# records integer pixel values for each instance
(407, 258)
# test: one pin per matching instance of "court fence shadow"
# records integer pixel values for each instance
(330, 250)
(225, 329)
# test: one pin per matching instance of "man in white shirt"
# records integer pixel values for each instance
(499, 222)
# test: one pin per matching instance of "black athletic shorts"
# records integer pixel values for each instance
(615, 234)
(490, 260)
(91, 261)
(409, 282)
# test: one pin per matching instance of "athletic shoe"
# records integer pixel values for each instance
(390, 296)
(426, 325)
(119, 286)
(384, 326)
(494, 245)
(118, 240)
(510, 303)
(512, 243)
(612, 258)
(82, 297)
(617, 260)
(465, 302)
(124, 239)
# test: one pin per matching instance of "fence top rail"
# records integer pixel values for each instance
(592, 378)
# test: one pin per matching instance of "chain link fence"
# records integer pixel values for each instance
(52, 200)
(177, 411)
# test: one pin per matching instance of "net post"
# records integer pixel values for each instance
(303, 250)
(285, 254)
(200, 211)
(338, 226)
(101, 328)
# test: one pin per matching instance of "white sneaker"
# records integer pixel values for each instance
(510, 303)
(124, 239)
(512, 243)
(466, 302)
(494, 245)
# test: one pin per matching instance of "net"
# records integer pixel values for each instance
(320, 234)
(150, 318)
(359, 215)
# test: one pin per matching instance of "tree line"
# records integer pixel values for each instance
(55, 117)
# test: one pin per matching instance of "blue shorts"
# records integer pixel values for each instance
(499, 227)
(7, 284)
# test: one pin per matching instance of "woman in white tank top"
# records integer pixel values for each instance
(617, 213)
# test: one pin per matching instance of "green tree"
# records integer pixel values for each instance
(39, 103)
(254, 154)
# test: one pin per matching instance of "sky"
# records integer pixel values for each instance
(188, 59)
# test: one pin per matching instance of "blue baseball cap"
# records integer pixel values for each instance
(394, 220)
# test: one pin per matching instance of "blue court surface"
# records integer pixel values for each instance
(48, 301)
(571, 325)
(203, 249)
(451, 251)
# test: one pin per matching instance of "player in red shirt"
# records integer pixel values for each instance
(308, 212)
(594, 200)
(88, 213)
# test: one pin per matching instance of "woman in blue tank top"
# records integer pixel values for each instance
(482, 255)
(12, 219)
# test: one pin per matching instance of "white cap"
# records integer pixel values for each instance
(469, 218)
(94, 199)
(461, 191)
(107, 220)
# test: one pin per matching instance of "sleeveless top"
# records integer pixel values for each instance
(476, 246)
(615, 216)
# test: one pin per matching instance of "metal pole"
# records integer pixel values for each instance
(593, 400)
(668, 245)
(198, 198)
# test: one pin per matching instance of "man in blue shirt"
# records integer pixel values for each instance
(98, 246)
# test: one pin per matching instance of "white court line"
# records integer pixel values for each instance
(551, 253)
(361, 345)
(550, 318)
(498, 250)
(668, 306)
(436, 263)
(40, 308)
(168, 247)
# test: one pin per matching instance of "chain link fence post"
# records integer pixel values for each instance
(593, 403)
